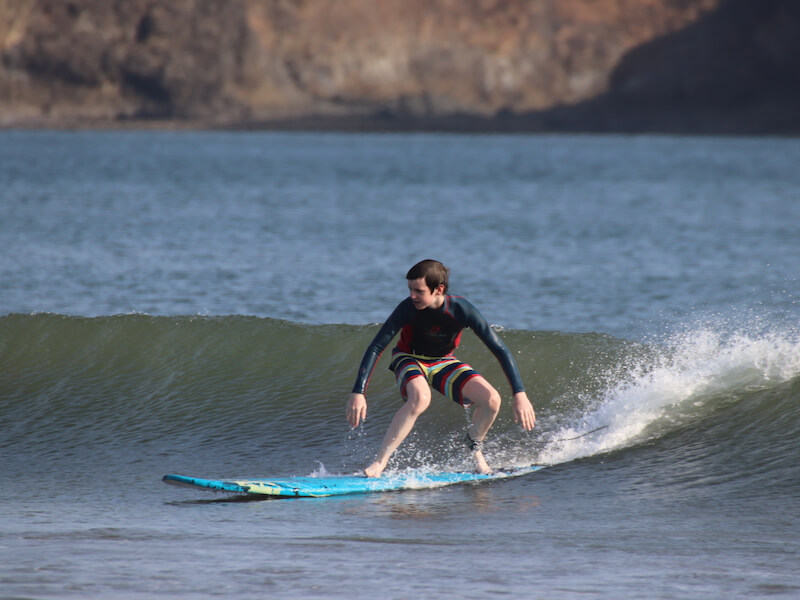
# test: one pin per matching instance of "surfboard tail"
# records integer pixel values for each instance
(208, 484)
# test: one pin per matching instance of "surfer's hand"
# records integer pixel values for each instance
(523, 411)
(356, 409)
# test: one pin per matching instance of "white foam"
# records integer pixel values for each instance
(693, 373)
(320, 471)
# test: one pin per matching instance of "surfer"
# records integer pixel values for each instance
(430, 322)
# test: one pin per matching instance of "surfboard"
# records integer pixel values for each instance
(338, 485)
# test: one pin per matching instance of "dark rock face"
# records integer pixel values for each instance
(740, 63)
(120, 59)
(593, 65)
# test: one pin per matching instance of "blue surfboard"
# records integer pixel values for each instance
(338, 485)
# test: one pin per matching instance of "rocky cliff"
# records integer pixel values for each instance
(598, 65)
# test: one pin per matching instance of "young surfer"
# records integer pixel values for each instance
(430, 322)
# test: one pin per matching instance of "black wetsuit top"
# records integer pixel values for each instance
(434, 333)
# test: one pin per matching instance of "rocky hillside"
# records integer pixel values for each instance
(597, 65)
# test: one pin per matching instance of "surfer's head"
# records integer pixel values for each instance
(433, 272)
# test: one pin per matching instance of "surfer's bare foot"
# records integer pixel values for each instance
(476, 446)
(374, 470)
(480, 463)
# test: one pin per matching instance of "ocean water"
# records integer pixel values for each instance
(198, 302)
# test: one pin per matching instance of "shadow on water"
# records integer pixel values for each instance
(233, 499)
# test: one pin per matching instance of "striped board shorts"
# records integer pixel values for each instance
(447, 375)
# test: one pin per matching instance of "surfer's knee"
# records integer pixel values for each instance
(494, 401)
(481, 393)
(418, 405)
(418, 397)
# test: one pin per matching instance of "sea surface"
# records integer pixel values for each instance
(198, 303)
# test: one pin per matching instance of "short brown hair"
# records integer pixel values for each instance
(434, 273)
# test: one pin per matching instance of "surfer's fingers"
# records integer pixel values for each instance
(530, 422)
(526, 419)
(523, 411)
(357, 418)
(354, 417)
(356, 409)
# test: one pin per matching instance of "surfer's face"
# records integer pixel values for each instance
(422, 296)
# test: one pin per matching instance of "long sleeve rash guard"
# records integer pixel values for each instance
(434, 333)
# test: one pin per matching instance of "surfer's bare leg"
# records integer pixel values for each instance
(419, 398)
(486, 404)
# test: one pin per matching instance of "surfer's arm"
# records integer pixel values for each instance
(523, 408)
(473, 319)
(371, 356)
(357, 404)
